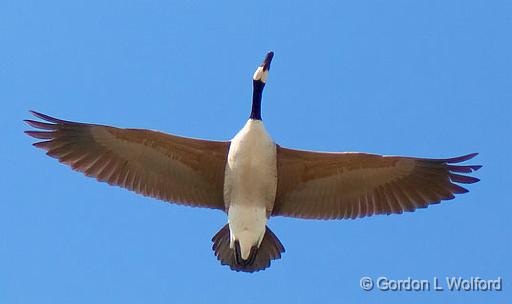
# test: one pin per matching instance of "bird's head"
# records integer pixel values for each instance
(261, 73)
(258, 82)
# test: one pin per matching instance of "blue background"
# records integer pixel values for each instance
(416, 78)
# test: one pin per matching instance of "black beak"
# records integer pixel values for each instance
(267, 61)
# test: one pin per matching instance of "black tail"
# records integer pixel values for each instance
(270, 249)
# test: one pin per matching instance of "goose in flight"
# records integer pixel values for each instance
(251, 178)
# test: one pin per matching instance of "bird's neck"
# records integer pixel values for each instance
(256, 99)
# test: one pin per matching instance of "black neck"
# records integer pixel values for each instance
(257, 91)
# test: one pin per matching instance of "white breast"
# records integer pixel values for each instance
(250, 184)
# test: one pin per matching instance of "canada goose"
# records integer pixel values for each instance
(250, 177)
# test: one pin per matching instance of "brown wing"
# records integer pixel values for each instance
(318, 185)
(171, 168)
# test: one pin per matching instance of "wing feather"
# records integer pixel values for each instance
(321, 185)
(167, 167)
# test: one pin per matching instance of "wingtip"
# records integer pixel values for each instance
(35, 113)
(457, 189)
(47, 118)
(41, 144)
(476, 167)
(474, 154)
(460, 159)
(464, 179)
(463, 168)
(30, 133)
(31, 122)
(40, 134)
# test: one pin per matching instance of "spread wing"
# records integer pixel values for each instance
(167, 167)
(318, 185)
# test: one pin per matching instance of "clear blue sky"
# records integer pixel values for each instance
(416, 78)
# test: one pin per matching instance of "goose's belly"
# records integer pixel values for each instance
(250, 184)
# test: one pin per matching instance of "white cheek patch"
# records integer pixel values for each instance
(260, 74)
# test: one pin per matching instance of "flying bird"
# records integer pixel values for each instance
(251, 178)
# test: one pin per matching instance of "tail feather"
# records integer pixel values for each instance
(270, 249)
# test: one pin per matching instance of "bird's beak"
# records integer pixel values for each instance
(266, 62)
(261, 73)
